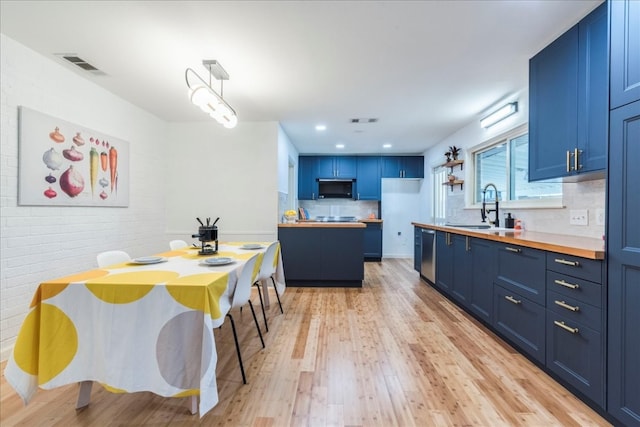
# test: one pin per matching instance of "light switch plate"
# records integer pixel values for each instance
(579, 217)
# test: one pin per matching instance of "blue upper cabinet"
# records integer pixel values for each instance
(625, 52)
(402, 166)
(307, 184)
(336, 166)
(568, 102)
(368, 184)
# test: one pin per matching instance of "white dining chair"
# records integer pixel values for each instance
(112, 257)
(177, 244)
(267, 271)
(241, 296)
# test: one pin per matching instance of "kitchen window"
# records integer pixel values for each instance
(504, 161)
(439, 205)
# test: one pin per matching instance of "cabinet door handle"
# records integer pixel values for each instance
(467, 246)
(565, 262)
(565, 327)
(576, 159)
(566, 284)
(512, 299)
(569, 154)
(510, 249)
(567, 306)
(448, 239)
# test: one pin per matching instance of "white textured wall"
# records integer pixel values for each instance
(581, 195)
(214, 172)
(39, 243)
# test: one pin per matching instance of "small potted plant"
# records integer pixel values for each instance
(451, 177)
(455, 151)
(448, 156)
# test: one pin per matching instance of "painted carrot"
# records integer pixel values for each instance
(113, 165)
(103, 160)
(93, 168)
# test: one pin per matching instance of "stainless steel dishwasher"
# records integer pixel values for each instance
(428, 265)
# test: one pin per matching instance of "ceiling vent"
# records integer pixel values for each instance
(361, 120)
(81, 63)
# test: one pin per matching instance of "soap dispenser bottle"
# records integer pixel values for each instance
(509, 221)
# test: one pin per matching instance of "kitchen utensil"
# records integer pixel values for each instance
(200, 221)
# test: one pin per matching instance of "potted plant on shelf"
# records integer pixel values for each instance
(455, 151)
(448, 156)
(451, 177)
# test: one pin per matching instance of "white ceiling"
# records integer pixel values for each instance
(423, 68)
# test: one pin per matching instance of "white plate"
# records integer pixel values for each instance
(252, 246)
(148, 260)
(218, 261)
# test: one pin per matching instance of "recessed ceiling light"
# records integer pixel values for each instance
(386, 146)
(320, 128)
(339, 145)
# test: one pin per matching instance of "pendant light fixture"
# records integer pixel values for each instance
(202, 94)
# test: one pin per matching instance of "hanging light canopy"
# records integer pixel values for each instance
(202, 94)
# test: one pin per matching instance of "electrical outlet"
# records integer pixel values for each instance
(600, 217)
(579, 217)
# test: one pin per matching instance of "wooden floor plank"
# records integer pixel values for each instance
(392, 353)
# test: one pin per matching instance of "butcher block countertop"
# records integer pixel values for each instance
(585, 247)
(316, 224)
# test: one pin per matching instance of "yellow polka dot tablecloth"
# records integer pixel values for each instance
(132, 327)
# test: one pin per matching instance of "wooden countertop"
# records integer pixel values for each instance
(585, 247)
(317, 224)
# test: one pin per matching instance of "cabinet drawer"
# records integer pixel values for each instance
(574, 310)
(521, 321)
(580, 289)
(576, 355)
(522, 270)
(588, 269)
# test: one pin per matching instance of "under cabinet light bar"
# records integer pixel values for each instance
(500, 114)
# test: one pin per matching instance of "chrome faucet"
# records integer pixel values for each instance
(485, 212)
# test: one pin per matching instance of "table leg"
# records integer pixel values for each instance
(193, 405)
(265, 292)
(84, 394)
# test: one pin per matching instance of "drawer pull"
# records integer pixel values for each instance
(565, 327)
(566, 284)
(567, 306)
(516, 250)
(565, 262)
(512, 299)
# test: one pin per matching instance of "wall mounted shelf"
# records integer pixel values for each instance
(453, 183)
(453, 163)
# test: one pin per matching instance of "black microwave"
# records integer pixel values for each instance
(335, 188)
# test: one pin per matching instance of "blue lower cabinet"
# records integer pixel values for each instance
(483, 272)
(575, 354)
(521, 321)
(373, 241)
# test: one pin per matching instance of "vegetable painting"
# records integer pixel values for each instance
(72, 154)
(93, 168)
(52, 159)
(78, 139)
(113, 165)
(50, 193)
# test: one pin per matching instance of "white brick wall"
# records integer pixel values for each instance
(39, 243)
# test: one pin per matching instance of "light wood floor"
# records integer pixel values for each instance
(394, 353)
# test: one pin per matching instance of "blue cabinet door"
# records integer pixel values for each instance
(623, 253)
(444, 262)
(368, 183)
(307, 184)
(625, 52)
(413, 167)
(417, 249)
(483, 271)
(373, 241)
(593, 94)
(461, 282)
(391, 166)
(325, 167)
(553, 118)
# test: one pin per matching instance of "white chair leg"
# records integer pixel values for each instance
(193, 405)
(84, 394)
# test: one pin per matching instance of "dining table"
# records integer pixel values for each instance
(143, 325)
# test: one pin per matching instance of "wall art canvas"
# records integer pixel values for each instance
(65, 164)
